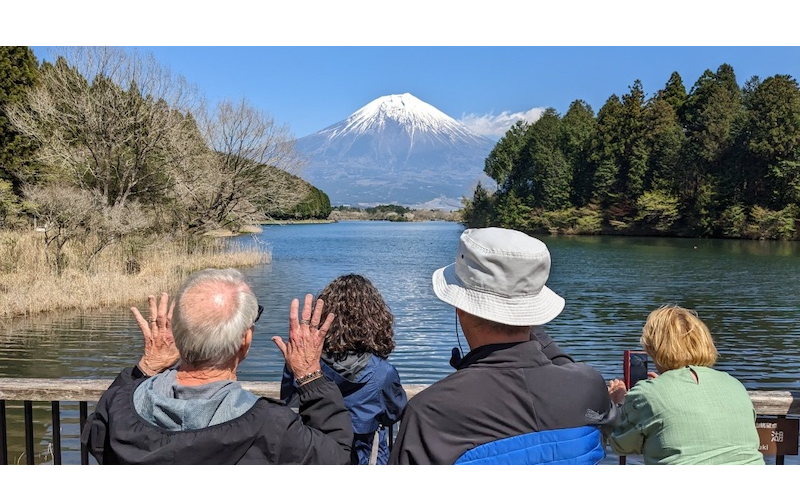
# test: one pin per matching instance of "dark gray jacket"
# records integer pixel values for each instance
(500, 391)
(268, 433)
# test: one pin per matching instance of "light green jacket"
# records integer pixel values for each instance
(674, 420)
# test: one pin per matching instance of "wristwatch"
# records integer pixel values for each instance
(137, 373)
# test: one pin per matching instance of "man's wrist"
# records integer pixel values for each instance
(306, 378)
(146, 369)
(151, 371)
(138, 373)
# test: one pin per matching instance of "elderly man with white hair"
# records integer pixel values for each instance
(196, 412)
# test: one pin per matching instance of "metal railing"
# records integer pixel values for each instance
(68, 392)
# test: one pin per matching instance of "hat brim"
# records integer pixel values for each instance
(522, 311)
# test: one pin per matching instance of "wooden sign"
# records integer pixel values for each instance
(777, 436)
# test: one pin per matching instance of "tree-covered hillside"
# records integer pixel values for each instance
(721, 160)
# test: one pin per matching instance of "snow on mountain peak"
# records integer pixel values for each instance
(395, 149)
(407, 111)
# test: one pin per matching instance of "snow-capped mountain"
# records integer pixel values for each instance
(396, 149)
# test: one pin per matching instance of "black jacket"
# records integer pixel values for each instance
(500, 391)
(269, 433)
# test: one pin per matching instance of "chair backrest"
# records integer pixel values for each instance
(570, 446)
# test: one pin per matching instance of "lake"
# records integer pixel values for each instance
(745, 291)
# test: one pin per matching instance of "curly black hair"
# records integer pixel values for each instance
(363, 321)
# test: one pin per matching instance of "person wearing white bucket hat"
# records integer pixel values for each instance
(515, 398)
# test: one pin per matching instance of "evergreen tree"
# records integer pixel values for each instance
(19, 70)
(657, 207)
(664, 138)
(712, 111)
(773, 143)
(478, 212)
(674, 93)
(545, 181)
(512, 212)
(607, 151)
(504, 156)
(316, 205)
(577, 129)
(633, 163)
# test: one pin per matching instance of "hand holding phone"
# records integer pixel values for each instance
(634, 366)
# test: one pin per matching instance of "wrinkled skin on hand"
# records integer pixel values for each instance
(306, 337)
(160, 352)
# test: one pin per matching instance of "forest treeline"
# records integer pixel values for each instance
(720, 160)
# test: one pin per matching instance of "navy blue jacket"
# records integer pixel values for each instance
(376, 401)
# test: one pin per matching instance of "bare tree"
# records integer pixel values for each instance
(111, 120)
(115, 122)
(70, 215)
(109, 225)
(245, 173)
(63, 212)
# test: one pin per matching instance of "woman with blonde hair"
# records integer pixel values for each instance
(690, 413)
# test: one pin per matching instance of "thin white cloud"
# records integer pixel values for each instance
(495, 126)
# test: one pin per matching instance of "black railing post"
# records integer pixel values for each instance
(83, 415)
(56, 411)
(3, 435)
(28, 406)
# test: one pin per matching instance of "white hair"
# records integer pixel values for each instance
(213, 310)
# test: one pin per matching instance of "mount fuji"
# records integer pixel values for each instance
(396, 149)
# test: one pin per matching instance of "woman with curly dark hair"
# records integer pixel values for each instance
(357, 345)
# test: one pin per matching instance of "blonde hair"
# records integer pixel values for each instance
(675, 337)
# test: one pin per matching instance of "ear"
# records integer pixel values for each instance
(247, 340)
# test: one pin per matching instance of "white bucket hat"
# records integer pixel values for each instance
(500, 275)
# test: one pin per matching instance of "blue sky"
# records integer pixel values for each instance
(488, 88)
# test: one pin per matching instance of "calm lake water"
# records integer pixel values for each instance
(746, 291)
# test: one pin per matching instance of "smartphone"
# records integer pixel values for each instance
(634, 367)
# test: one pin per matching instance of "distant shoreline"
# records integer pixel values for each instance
(301, 221)
(256, 228)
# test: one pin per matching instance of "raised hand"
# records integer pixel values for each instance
(160, 352)
(306, 337)
(617, 391)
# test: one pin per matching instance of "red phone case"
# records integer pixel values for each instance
(626, 366)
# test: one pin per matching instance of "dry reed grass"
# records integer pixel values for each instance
(27, 285)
